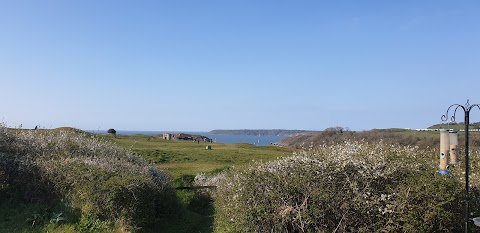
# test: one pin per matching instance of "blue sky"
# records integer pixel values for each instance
(203, 65)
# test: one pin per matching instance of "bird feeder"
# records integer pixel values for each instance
(453, 135)
(444, 148)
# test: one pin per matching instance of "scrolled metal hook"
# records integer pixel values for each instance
(445, 117)
(475, 105)
(452, 118)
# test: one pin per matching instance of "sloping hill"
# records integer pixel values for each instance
(461, 125)
(393, 136)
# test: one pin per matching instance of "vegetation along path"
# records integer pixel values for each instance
(183, 160)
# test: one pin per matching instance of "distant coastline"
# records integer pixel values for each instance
(262, 140)
(262, 132)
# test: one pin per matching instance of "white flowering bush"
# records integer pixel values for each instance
(347, 187)
(94, 176)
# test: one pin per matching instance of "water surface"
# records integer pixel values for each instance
(262, 140)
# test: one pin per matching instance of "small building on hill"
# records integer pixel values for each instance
(167, 136)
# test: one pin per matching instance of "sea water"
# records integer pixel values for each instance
(259, 140)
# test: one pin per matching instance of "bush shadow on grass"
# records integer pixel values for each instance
(197, 215)
(53, 216)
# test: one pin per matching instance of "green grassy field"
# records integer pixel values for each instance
(435, 134)
(185, 159)
(455, 126)
(182, 158)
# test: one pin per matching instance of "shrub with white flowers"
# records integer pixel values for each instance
(94, 176)
(348, 187)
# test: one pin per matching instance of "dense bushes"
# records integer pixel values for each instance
(401, 137)
(93, 176)
(348, 187)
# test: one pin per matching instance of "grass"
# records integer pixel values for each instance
(455, 126)
(36, 217)
(182, 158)
(436, 134)
(190, 220)
(185, 159)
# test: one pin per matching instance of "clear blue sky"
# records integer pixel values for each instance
(203, 65)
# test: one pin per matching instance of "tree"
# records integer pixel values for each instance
(336, 129)
(112, 132)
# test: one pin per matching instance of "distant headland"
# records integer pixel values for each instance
(263, 132)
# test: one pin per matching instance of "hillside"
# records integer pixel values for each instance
(331, 137)
(421, 139)
(461, 125)
(263, 132)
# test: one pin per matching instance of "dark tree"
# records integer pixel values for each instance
(336, 129)
(112, 132)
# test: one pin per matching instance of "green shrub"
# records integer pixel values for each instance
(201, 203)
(94, 176)
(91, 224)
(429, 202)
(350, 187)
(4, 186)
(184, 180)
